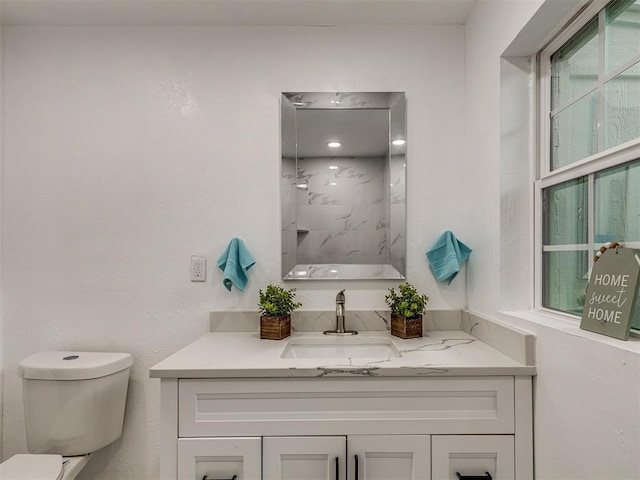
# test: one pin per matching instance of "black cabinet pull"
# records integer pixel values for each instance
(337, 468)
(355, 457)
(232, 478)
(486, 476)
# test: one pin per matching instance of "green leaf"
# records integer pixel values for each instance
(408, 302)
(275, 301)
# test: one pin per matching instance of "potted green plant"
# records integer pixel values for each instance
(276, 305)
(407, 307)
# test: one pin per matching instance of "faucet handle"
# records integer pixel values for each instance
(340, 297)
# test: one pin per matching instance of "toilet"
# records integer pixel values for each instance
(74, 405)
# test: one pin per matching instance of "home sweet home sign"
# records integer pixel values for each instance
(611, 293)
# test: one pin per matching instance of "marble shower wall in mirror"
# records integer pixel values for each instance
(343, 206)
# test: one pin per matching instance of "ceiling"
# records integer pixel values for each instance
(236, 12)
(363, 133)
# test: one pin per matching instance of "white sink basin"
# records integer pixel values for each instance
(340, 347)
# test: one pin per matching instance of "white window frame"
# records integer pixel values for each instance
(589, 166)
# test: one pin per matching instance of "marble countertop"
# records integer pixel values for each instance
(245, 355)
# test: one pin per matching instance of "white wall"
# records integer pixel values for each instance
(492, 25)
(586, 404)
(1, 296)
(127, 150)
(587, 391)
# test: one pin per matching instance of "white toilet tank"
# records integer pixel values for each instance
(74, 401)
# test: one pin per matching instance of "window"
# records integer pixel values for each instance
(589, 186)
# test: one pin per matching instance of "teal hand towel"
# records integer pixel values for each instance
(446, 256)
(235, 261)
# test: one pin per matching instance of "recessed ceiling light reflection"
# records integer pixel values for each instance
(333, 167)
(398, 142)
(334, 144)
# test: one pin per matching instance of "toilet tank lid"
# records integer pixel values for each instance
(73, 365)
(31, 467)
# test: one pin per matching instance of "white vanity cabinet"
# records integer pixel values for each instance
(398, 428)
(365, 457)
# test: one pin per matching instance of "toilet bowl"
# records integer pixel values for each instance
(74, 405)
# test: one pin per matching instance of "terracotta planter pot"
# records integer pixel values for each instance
(406, 327)
(275, 328)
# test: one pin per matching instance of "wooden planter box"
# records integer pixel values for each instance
(406, 327)
(275, 328)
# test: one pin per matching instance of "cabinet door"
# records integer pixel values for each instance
(389, 457)
(472, 455)
(220, 458)
(308, 458)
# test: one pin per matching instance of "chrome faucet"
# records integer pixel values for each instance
(340, 300)
(340, 312)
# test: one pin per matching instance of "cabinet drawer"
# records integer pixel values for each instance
(346, 405)
(473, 456)
(397, 457)
(219, 458)
(296, 458)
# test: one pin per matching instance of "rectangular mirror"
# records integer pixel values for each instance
(343, 186)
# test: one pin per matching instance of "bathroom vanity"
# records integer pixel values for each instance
(370, 406)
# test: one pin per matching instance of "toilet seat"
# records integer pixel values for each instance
(32, 467)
